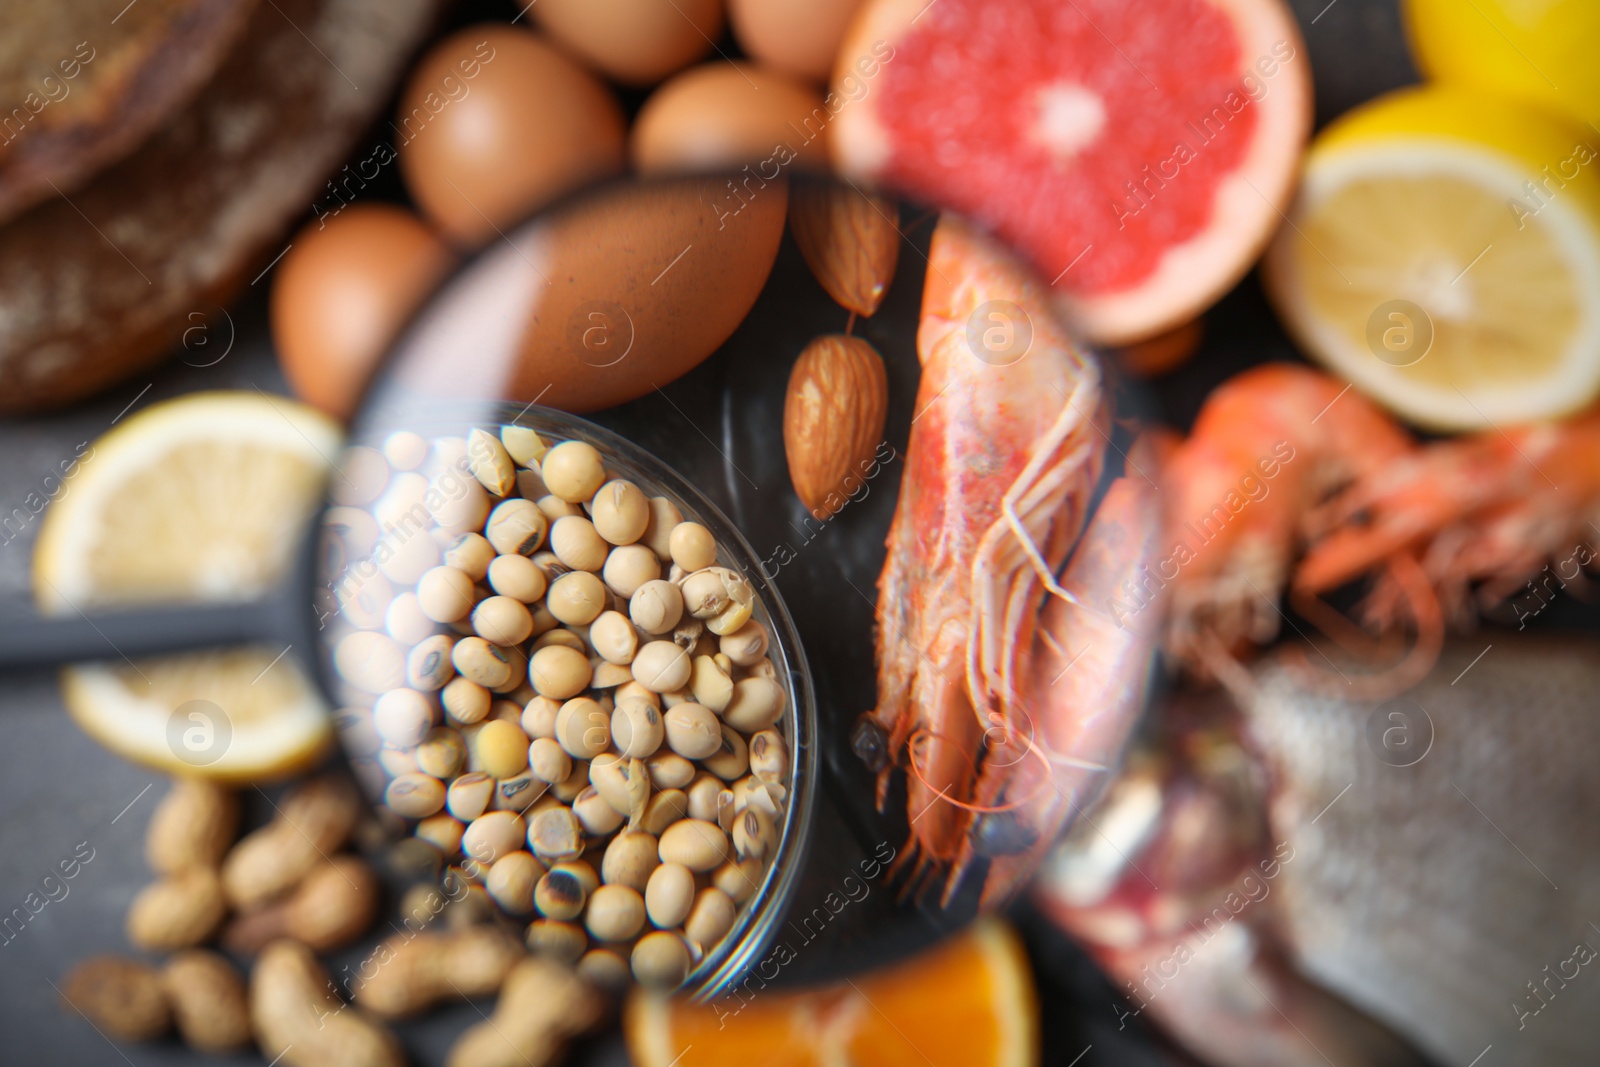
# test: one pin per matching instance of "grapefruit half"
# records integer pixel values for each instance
(1139, 154)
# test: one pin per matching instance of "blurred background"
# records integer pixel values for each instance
(245, 204)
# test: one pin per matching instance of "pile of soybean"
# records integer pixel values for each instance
(564, 689)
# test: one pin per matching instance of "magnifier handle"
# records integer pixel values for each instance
(31, 641)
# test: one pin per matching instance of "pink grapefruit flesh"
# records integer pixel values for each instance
(1139, 154)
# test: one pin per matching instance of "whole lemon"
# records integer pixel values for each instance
(1541, 51)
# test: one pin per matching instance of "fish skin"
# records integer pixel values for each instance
(1427, 895)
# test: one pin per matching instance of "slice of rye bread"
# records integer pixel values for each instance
(82, 83)
(100, 284)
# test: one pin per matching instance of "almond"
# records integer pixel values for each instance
(833, 420)
(849, 240)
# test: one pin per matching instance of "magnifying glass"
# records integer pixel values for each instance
(667, 315)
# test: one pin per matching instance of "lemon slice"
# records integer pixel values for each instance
(204, 498)
(244, 714)
(1444, 256)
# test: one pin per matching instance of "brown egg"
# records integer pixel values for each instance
(342, 291)
(721, 115)
(495, 123)
(637, 42)
(796, 36)
(604, 300)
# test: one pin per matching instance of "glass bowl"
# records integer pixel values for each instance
(752, 934)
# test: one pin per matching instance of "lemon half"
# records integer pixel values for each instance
(242, 715)
(204, 498)
(1444, 256)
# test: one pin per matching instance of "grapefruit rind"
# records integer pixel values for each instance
(1248, 204)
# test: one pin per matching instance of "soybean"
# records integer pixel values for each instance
(629, 860)
(637, 729)
(711, 684)
(469, 795)
(490, 463)
(415, 796)
(610, 773)
(710, 918)
(661, 666)
(692, 731)
(577, 544)
(470, 553)
(769, 756)
(664, 517)
(539, 717)
(558, 673)
(502, 620)
(669, 895)
(492, 835)
(756, 704)
(656, 607)
(738, 879)
(573, 470)
(746, 645)
(402, 717)
(554, 834)
(560, 895)
(445, 594)
(524, 445)
(663, 809)
(615, 913)
(516, 528)
(464, 700)
(511, 881)
(519, 577)
(428, 665)
(561, 941)
(660, 960)
(605, 968)
(480, 662)
(583, 728)
(620, 512)
(702, 794)
(404, 620)
(668, 770)
(548, 760)
(629, 567)
(692, 547)
(442, 752)
(694, 843)
(732, 760)
(500, 748)
(577, 598)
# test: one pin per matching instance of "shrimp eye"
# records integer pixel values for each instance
(870, 744)
(1001, 833)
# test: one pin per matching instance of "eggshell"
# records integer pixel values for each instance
(795, 36)
(637, 42)
(721, 115)
(495, 123)
(342, 292)
(602, 300)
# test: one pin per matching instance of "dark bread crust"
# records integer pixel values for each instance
(99, 285)
(127, 77)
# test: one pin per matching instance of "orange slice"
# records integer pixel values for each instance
(968, 1002)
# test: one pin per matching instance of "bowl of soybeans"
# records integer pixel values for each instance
(558, 665)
